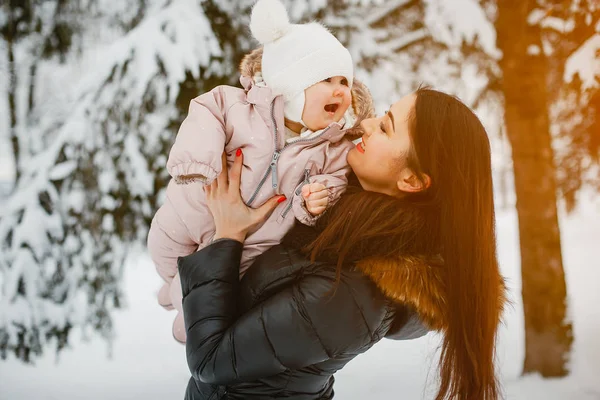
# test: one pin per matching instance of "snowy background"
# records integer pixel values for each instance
(144, 361)
(95, 117)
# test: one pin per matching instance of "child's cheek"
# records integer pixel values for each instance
(348, 101)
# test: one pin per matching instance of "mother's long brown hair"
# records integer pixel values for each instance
(454, 217)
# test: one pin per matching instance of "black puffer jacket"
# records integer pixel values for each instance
(282, 332)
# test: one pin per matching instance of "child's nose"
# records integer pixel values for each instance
(340, 90)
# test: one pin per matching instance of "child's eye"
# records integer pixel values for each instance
(345, 82)
(382, 127)
(327, 80)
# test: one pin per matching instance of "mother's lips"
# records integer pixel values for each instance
(360, 148)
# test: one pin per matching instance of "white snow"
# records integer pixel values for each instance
(458, 20)
(114, 75)
(585, 62)
(145, 362)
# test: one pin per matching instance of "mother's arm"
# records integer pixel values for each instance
(286, 331)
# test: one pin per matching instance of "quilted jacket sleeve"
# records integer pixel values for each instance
(289, 330)
(196, 154)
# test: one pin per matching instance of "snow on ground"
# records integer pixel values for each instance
(145, 362)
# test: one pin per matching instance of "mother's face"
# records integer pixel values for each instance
(379, 162)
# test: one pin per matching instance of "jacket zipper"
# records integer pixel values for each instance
(273, 164)
(298, 191)
(276, 153)
(261, 183)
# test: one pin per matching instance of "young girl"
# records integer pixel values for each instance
(292, 121)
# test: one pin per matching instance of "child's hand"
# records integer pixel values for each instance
(316, 197)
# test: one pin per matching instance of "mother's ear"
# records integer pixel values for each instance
(409, 182)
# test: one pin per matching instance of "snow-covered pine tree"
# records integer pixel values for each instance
(90, 189)
(31, 31)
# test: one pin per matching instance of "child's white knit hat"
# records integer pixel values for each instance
(296, 56)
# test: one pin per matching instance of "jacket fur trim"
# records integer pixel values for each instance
(418, 281)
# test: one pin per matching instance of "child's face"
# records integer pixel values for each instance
(326, 102)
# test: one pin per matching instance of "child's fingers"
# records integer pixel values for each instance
(316, 187)
(323, 194)
(311, 188)
(305, 191)
(318, 202)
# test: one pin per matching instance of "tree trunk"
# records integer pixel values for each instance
(548, 333)
(12, 95)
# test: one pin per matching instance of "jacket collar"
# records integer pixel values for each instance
(263, 99)
(257, 95)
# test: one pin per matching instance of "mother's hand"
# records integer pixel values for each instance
(233, 219)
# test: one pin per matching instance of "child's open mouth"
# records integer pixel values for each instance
(331, 108)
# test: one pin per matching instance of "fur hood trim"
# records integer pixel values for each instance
(362, 101)
(418, 281)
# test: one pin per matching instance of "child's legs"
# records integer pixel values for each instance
(164, 296)
(164, 251)
(178, 323)
(165, 248)
(175, 293)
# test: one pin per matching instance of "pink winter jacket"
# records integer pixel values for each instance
(251, 119)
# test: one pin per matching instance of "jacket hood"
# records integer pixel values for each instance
(418, 281)
(362, 101)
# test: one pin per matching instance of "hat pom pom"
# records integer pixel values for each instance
(269, 21)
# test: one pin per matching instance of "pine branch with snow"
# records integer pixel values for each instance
(87, 196)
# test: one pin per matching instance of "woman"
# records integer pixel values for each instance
(411, 248)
